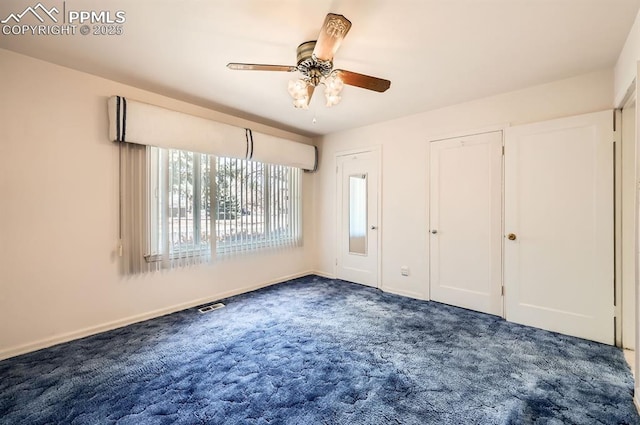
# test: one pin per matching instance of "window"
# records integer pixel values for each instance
(199, 203)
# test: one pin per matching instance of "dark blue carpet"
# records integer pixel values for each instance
(319, 351)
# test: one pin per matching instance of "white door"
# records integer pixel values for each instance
(358, 217)
(466, 222)
(559, 265)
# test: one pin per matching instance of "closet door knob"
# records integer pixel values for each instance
(511, 236)
(434, 231)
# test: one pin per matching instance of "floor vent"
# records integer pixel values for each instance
(211, 307)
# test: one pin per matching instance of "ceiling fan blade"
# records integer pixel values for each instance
(259, 67)
(364, 81)
(310, 89)
(334, 29)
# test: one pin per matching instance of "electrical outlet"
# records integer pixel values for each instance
(404, 270)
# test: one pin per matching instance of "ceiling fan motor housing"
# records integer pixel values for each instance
(305, 51)
(310, 66)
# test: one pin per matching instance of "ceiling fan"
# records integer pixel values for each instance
(315, 63)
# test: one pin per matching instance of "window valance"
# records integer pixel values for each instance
(141, 123)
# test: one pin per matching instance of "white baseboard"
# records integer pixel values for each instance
(93, 330)
(323, 274)
(410, 294)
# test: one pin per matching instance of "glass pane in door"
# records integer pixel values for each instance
(358, 214)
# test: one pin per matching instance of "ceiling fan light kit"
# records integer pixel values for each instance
(315, 63)
(333, 87)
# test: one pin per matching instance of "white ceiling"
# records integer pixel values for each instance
(435, 52)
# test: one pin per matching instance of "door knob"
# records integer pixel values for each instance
(511, 236)
(374, 228)
(434, 231)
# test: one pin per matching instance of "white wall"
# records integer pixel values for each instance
(405, 173)
(59, 274)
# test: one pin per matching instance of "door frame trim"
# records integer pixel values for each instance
(470, 132)
(377, 151)
(628, 101)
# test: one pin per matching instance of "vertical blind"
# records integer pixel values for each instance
(258, 205)
(182, 208)
(134, 208)
(182, 222)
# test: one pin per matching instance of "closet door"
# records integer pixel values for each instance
(558, 244)
(465, 222)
